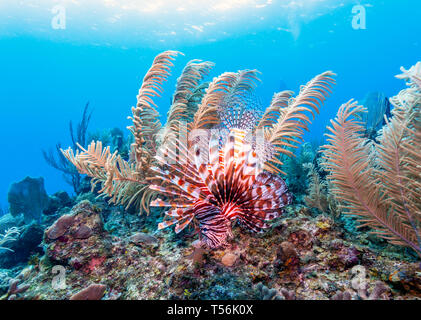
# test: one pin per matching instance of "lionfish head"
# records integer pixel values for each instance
(214, 227)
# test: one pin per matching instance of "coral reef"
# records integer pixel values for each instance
(216, 163)
(24, 243)
(93, 292)
(383, 192)
(56, 202)
(82, 227)
(28, 197)
(273, 294)
(266, 293)
(226, 104)
(31, 211)
(362, 293)
(303, 257)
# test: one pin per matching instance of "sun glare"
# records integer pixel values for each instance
(158, 20)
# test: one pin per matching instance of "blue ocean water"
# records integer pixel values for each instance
(47, 75)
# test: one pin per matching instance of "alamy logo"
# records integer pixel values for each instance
(359, 280)
(59, 18)
(359, 20)
(59, 280)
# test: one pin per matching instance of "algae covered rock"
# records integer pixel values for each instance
(141, 238)
(28, 197)
(26, 245)
(60, 227)
(229, 259)
(93, 292)
(78, 238)
(56, 202)
(8, 221)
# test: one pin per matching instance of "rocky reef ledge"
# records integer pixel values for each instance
(303, 257)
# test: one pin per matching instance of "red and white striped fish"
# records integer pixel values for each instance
(229, 185)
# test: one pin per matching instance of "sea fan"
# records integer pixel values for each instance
(383, 193)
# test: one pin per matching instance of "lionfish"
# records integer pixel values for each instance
(221, 181)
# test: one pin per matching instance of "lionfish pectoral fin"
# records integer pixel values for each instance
(214, 159)
(254, 224)
(166, 224)
(161, 203)
(273, 215)
(158, 203)
(174, 216)
(180, 227)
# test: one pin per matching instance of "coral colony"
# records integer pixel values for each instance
(257, 213)
(216, 178)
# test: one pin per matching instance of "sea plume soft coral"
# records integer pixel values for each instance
(317, 196)
(9, 236)
(58, 161)
(413, 74)
(386, 194)
(293, 119)
(125, 182)
(188, 94)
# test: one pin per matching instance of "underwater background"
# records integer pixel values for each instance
(48, 75)
(98, 53)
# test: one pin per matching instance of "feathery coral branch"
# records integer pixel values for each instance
(145, 118)
(365, 190)
(189, 91)
(272, 113)
(191, 77)
(293, 120)
(119, 179)
(9, 235)
(413, 74)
